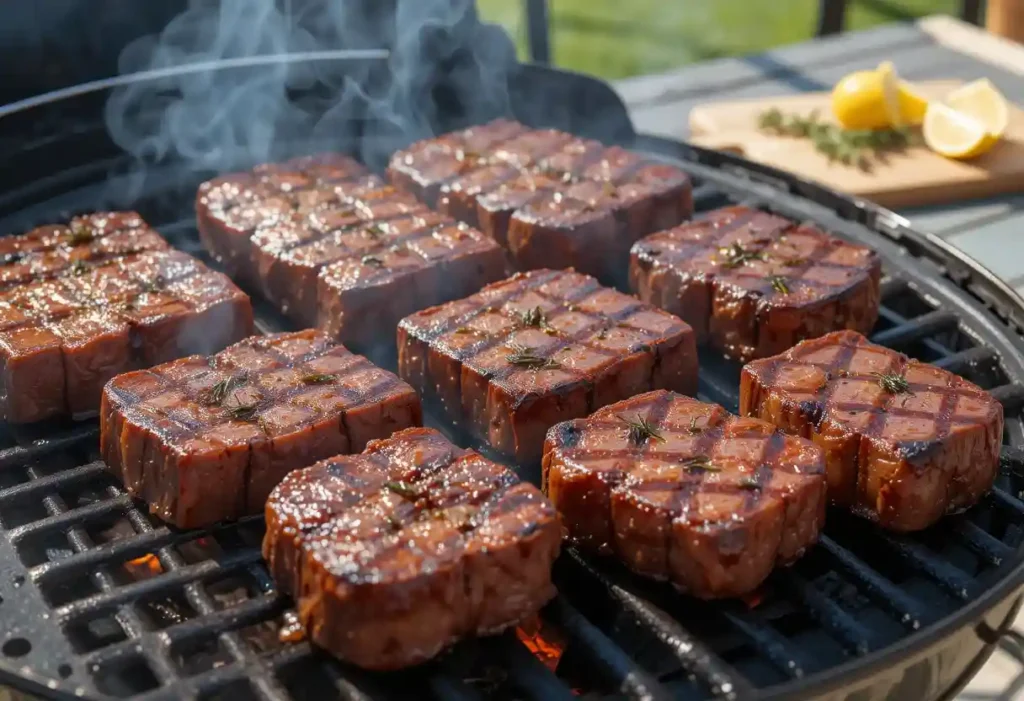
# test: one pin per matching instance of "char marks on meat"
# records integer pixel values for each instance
(541, 347)
(398, 552)
(905, 442)
(552, 199)
(204, 439)
(104, 294)
(333, 246)
(753, 284)
(683, 491)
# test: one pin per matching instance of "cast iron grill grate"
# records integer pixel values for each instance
(102, 600)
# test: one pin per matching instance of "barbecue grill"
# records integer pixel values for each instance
(100, 600)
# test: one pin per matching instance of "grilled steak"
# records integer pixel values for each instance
(905, 442)
(400, 551)
(82, 303)
(541, 347)
(754, 284)
(331, 246)
(553, 200)
(204, 439)
(684, 491)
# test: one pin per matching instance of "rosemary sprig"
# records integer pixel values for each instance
(700, 463)
(216, 394)
(750, 484)
(779, 284)
(852, 147)
(893, 383)
(528, 358)
(154, 285)
(243, 412)
(403, 489)
(374, 231)
(373, 261)
(736, 255)
(318, 378)
(12, 257)
(641, 430)
(694, 428)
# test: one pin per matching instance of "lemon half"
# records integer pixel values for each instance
(876, 100)
(981, 101)
(953, 134)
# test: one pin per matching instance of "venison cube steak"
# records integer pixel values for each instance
(552, 199)
(523, 354)
(905, 442)
(204, 439)
(335, 247)
(400, 551)
(104, 294)
(753, 284)
(683, 491)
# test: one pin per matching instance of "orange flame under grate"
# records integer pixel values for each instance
(544, 641)
(144, 567)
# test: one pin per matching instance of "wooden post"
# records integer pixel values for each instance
(1005, 18)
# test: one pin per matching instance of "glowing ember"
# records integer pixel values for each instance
(144, 567)
(754, 600)
(544, 641)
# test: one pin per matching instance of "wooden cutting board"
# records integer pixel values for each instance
(914, 177)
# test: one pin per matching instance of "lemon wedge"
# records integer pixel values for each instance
(982, 101)
(953, 134)
(877, 99)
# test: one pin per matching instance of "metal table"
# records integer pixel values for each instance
(990, 230)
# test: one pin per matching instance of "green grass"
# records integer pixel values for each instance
(620, 38)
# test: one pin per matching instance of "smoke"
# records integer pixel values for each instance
(435, 67)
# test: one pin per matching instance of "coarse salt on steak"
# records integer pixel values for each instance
(333, 246)
(204, 439)
(397, 552)
(905, 442)
(105, 294)
(523, 354)
(753, 284)
(683, 491)
(552, 199)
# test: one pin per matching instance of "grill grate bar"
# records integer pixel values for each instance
(768, 641)
(906, 610)
(891, 286)
(447, 687)
(525, 672)
(1006, 499)
(21, 454)
(262, 680)
(607, 657)
(169, 581)
(127, 616)
(948, 577)
(65, 519)
(916, 329)
(125, 549)
(694, 657)
(958, 362)
(854, 636)
(990, 548)
(65, 478)
(1011, 396)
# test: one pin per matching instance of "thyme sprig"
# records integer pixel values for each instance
(403, 489)
(851, 147)
(893, 383)
(533, 317)
(318, 378)
(243, 412)
(528, 358)
(219, 392)
(700, 463)
(779, 284)
(81, 233)
(641, 430)
(750, 484)
(736, 255)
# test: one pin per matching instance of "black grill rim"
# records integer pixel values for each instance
(995, 305)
